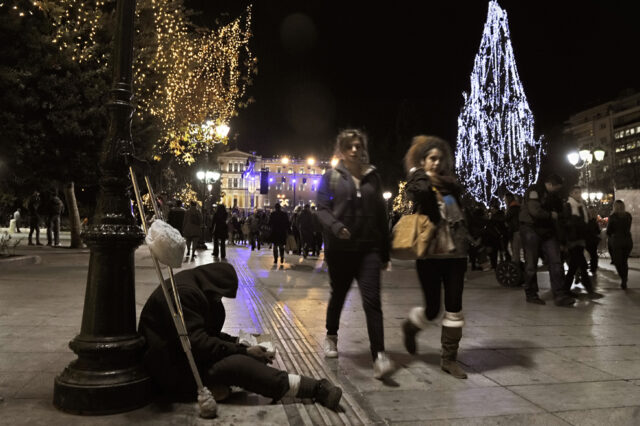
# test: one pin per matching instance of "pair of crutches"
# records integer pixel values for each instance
(207, 403)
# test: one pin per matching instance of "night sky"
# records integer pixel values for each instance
(399, 68)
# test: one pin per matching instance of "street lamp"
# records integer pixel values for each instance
(582, 159)
(108, 376)
(387, 196)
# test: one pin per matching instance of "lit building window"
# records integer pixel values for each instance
(290, 171)
(279, 170)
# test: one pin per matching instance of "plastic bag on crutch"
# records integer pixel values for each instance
(166, 245)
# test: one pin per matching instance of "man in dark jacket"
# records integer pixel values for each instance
(176, 214)
(220, 359)
(279, 225)
(353, 214)
(55, 207)
(34, 217)
(305, 227)
(539, 231)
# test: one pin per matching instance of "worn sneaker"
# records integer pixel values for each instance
(383, 366)
(330, 346)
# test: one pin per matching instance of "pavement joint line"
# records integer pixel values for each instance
(285, 323)
(284, 356)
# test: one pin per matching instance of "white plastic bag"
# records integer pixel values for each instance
(166, 243)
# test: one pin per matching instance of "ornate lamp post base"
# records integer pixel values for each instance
(94, 392)
(108, 376)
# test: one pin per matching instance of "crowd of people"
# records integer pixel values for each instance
(298, 232)
(350, 223)
(40, 209)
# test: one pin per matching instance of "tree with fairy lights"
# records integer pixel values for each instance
(496, 148)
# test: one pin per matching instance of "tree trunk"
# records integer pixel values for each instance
(74, 215)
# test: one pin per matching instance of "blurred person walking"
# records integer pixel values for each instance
(305, 227)
(33, 207)
(593, 239)
(436, 193)
(353, 214)
(513, 226)
(192, 228)
(279, 224)
(619, 240)
(541, 235)
(576, 219)
(219, 231)
(55, 208)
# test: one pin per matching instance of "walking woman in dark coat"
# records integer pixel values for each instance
(353, 214)
(435, 192)
(620, 242)
(220, 231)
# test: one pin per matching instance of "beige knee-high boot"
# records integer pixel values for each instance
(452, 324)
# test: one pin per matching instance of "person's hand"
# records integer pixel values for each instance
(344, 234)
(554, 215)
(260, 353)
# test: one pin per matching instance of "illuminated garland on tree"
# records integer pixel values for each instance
(496, 148)
(183, 75)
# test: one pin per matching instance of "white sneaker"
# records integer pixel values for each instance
(330, 346)
(383, 366)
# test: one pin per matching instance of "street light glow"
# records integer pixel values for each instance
(285, 160)
(585, 154)
(334, 162)
(573, 158)
(222, 130)
(386, 195)
(200, 175)
(599, 154)
(311, 161)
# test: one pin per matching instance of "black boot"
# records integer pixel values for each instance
(450, 340)
(409, 332)
(321, 391)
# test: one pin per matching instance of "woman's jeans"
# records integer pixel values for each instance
(344, 267)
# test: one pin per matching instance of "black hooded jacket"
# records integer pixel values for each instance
(199, 290)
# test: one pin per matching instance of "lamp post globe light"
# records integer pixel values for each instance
(582, 160)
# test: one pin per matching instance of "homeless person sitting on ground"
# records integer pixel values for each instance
(221, 361)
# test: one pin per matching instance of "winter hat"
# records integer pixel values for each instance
(220, 278)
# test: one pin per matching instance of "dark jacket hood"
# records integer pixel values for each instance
(218, 278)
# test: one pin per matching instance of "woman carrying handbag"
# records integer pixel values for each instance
(435, 193)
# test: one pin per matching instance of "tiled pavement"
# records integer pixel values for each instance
(527, 364)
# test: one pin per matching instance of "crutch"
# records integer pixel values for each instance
(207, 403)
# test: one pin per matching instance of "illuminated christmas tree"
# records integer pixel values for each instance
(496, 148)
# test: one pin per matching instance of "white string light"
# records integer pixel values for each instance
(496, 148)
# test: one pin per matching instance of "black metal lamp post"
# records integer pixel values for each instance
(108, 376)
